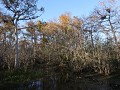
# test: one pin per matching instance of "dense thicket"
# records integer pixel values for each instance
(69, 44)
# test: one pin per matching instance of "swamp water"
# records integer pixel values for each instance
(53, 83)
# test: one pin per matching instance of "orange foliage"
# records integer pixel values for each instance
(51, 27)
(65, 23)
(65, 19)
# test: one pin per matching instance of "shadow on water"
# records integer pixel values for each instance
(33, 85)
(54, 83)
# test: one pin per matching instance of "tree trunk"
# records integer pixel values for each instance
(34, 48)
(113, 31)
(100, 66)
(91, 36)
(107, 69)
(16, 47)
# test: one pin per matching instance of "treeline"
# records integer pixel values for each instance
(74, 44)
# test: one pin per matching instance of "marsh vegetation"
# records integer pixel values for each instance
(81, 51)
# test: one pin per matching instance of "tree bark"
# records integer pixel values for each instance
(16, 46)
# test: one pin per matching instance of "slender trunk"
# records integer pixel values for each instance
(16, 46)
(4, 46)
(4, 39)
(107, 69)
(91, 35)
(100, 66)
(34, 48)
(114, 37)
(113, 31)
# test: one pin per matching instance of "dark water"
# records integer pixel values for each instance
(53, 83)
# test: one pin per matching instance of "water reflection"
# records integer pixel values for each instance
(35, 85)
(54, 83)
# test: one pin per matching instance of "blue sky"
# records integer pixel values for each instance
(54, 8)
